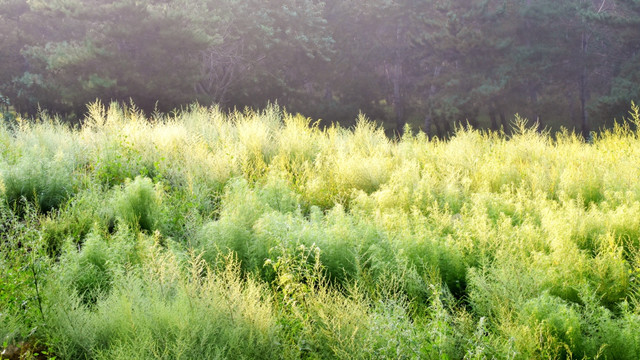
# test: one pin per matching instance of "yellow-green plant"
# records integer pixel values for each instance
(258, 234)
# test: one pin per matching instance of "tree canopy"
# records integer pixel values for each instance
(428, 63)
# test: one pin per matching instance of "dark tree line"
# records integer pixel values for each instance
(427, 63)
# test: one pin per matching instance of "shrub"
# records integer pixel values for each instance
(170, 312)
(557, 319)
(72, 222)
(89, 269)
(138, 204)
(46, 183)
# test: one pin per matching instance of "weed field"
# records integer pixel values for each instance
(258, 235)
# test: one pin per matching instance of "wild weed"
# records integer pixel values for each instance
(168, 310)
(256, 234)
(138, 204)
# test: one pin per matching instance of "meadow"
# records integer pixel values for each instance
(258, 235)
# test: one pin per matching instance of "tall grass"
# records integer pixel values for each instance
(202, 234)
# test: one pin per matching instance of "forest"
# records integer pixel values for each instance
(432, 64)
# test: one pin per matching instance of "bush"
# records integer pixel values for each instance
(164, 312)
(89, 270)
(138, 204)
(46, 183)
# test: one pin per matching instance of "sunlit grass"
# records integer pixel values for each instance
(202, 234)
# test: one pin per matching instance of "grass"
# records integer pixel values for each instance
(250, 235)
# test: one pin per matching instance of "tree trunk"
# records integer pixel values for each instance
(398, 105)
(447, 127)
(472, 119)
(328, 94)
(398, 81)
(571, 105)
(503, 120)
(438, 126)
(494, 122)
(535, 117)
(583, 89)
(583, 104)
(427, 126)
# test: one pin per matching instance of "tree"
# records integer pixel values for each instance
(12, 36)
(623, 21)
(459, 61)
(116, 50)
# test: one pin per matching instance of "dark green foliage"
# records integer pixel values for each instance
(431, 64)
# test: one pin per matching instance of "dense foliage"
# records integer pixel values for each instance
(430, 63)
(258, 235)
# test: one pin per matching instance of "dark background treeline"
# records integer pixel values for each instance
(428, 63)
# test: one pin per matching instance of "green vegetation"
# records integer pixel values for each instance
(202, 234)
(432, 64)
